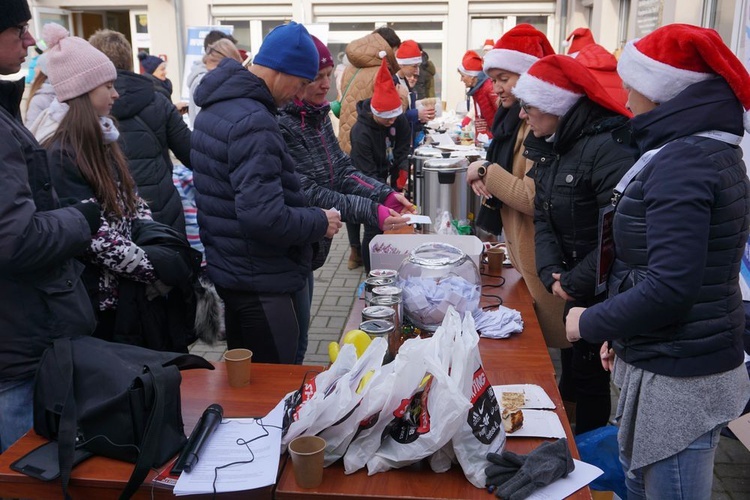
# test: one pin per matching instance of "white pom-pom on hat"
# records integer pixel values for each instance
(52, 33)
(382, 54)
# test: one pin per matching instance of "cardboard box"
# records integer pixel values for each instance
(388, 251)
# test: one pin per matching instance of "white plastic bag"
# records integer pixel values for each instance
(424, 423)
(340, 434)
(408, 371)
(302, 407)
(482, 430)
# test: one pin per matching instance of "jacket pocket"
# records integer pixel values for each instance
(64, 306)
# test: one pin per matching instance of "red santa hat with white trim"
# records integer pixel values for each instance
(668, 60)
(518, 49)
(471, 64)
(385, 102)
(408, 53)
(578, 39)
(555, 83)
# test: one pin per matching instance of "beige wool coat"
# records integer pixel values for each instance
(363, 55)
(516, 190)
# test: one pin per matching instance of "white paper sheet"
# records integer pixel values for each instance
(539, 423)
(582, 475)
(534, 395)
(418, 219)
(443, 139)
(222, 448)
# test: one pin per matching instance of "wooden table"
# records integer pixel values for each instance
(523, 358)
(103, 478)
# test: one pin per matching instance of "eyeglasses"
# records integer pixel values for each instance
(526, 106)
(23, 29)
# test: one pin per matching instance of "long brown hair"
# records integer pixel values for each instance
(39, 80)
(102, 165)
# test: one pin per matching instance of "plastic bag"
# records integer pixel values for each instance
(340, 435)
(444, 223)
(302, 407)
(599, 447)
(482, 429)
(408, 372)
(424, 423)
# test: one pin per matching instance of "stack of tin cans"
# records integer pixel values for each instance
(381, 316)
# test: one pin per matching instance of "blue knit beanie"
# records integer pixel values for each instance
(149, 62)
(289, 49)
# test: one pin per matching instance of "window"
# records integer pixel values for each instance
(241, 33)
(719, 15)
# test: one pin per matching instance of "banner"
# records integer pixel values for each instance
(194, 51)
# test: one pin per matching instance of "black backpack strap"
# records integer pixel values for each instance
(68, 429)
(151, 436)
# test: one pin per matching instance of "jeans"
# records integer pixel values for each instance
(17, 414)
(303, 300)
(687, 475)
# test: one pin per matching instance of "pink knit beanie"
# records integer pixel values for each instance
(74, 67)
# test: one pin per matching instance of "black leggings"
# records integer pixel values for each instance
(264, 323)
(585, 382)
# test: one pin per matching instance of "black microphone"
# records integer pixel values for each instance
(210, 419)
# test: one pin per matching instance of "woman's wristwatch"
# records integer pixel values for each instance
(482, 170)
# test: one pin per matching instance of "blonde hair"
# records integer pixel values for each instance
(220, 50)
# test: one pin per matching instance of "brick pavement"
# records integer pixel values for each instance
(333, 297)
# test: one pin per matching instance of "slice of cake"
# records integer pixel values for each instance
(512, 419)
(512, 400)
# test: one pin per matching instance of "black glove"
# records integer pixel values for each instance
(504, 466)
(547, 463)
(92, 212)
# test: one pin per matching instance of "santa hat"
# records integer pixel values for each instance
(471, 64)
(385, 102)
(555, 83)
(668, 60)
(578, 39)
(488, 44)
(518, 49)
(408, 53)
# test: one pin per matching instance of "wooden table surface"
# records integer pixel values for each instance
(103, 478)
(521, 359)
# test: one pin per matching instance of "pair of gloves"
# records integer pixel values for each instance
(515, 477)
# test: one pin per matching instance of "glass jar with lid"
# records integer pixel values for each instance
(434, 277)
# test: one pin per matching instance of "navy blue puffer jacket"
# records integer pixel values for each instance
(680, 228)
(253, 216)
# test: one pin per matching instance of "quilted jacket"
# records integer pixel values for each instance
(365, 61)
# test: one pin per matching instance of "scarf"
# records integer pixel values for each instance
(109, 131)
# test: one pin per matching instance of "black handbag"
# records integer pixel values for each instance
(115, 400)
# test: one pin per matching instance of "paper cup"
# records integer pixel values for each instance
(307, 459)
(495, 259)
(238, 366)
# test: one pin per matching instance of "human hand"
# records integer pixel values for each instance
(572, 322)
(557, 288)
(334, 222)
(426, 114)
(403, 92)
(608, 357)
(408, 206)
(480, 188)
(394, 221)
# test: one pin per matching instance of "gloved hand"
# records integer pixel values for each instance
(504, 466)
(547, 463)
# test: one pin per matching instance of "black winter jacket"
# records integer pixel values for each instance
(376, 150)
(150, 126)
(574, 177)
(680, 229)
(252, 212)
(42, 296)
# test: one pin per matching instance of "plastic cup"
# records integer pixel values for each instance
(238, 366)
(307, 459)
(495, 259)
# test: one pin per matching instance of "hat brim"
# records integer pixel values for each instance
(387, 114)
